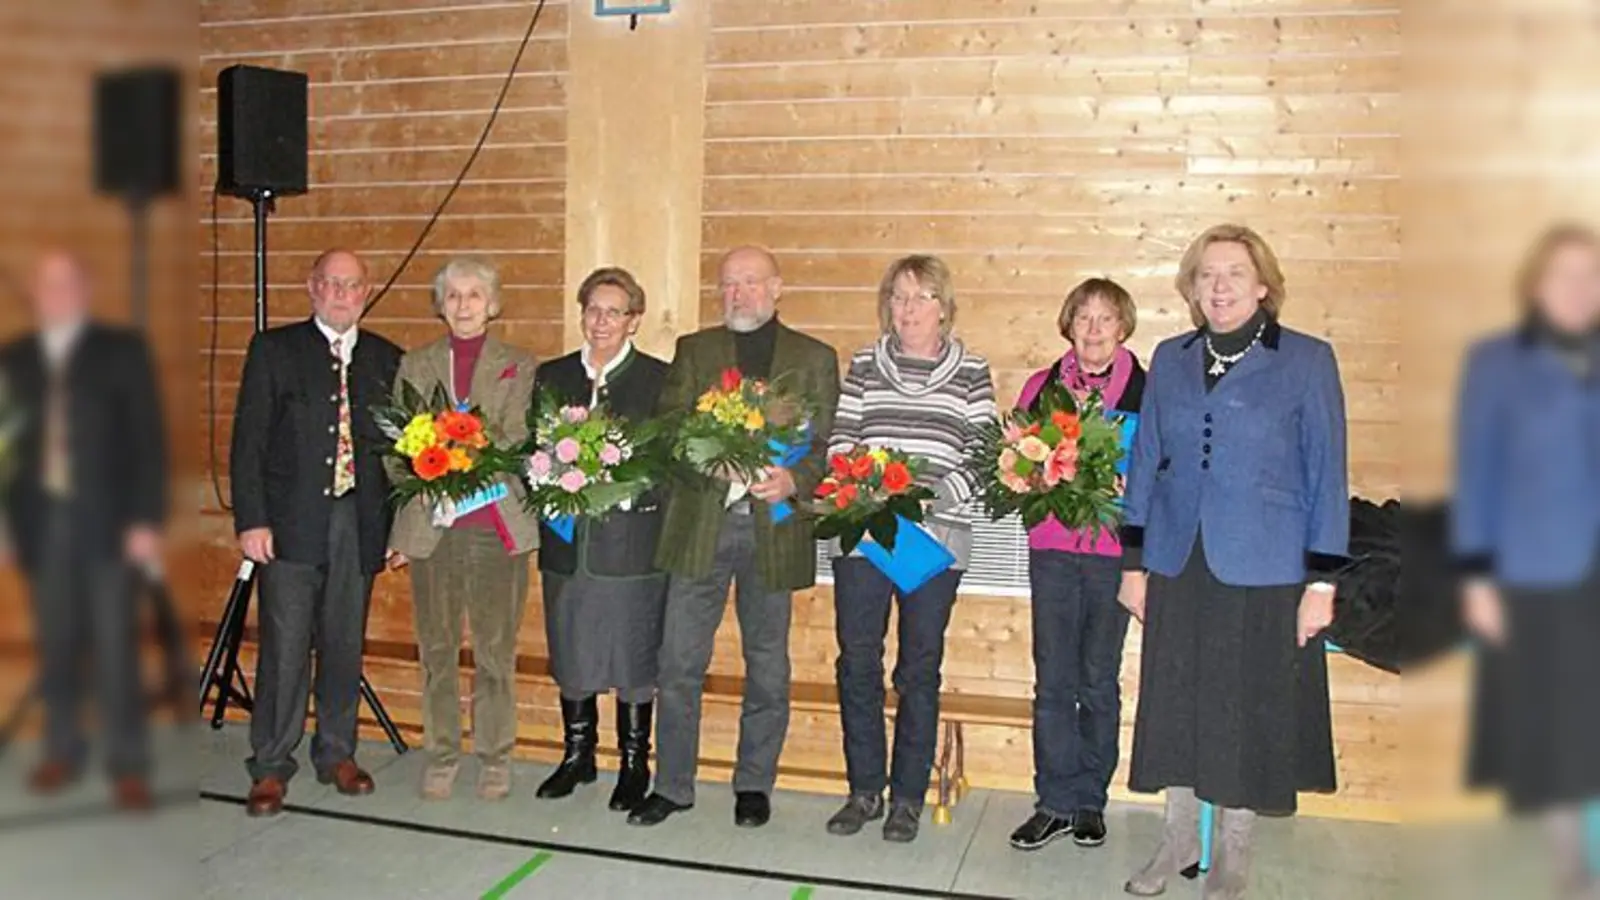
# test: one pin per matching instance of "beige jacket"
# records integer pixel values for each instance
(502, 388)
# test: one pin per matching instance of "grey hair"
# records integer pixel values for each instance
(467, 267)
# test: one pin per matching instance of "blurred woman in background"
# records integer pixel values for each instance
(1526, 533)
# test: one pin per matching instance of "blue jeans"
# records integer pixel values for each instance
(862, 597)
(1078, 632)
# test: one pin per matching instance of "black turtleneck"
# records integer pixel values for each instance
(753, 349)
(1230, 342)
(1577, 350)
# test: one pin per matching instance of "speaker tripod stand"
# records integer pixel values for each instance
(222, 673)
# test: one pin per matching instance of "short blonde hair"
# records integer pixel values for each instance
(931, 274)
(616, 277)
(1261, 256)
(1550, 242)
(1107, 290)
(467, 267)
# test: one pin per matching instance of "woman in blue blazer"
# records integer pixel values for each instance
(1526, 532)
(1237, 515)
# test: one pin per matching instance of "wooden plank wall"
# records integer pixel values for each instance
(1033, 144)
(1030, 142)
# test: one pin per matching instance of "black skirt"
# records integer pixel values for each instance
(1536, 723)
(1228, 704)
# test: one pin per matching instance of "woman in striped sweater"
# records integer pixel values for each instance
(919, 390)
(1078, 626)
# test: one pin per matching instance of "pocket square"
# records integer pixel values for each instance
(508, 372)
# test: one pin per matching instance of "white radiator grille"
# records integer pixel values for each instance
(999, 565)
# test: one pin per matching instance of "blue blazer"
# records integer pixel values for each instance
(1258, 463)
(1527, 492)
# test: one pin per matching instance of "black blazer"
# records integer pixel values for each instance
(619, 545)
(285, 431)
(116, 441)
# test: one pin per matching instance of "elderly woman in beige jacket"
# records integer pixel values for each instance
(473, 563)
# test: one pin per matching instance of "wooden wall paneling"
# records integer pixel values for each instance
(635, 158)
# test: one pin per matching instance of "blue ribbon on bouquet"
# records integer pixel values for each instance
(486, 496)
(563, 526)
(787, 456)
(916, 559)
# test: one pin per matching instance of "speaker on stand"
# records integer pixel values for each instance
(261, 155)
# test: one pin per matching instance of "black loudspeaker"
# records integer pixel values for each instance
(136, 132)
(261, 131)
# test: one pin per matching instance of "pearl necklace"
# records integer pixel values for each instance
(1221, 362)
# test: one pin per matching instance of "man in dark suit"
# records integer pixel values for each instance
(85, 510)
(311, 508)
(714, 544)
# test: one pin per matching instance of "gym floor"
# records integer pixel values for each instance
(393, 844)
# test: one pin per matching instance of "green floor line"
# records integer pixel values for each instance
(516, 878)
(802, 892)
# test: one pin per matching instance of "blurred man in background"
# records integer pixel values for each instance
(85, 508)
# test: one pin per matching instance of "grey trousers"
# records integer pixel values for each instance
(694, 610)
(85, 604)
(307, 608)
(470, 574)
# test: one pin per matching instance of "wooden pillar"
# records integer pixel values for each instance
(635, 160)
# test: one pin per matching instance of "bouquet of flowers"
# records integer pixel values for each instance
(1063, 460)
(586, 462)
(443, 452)
(872, 492)
(868, 491)
(739, 427)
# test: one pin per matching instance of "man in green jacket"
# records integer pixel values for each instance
(707, 544)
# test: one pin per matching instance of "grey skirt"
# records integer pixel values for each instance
(604, 633)
(1228, 704)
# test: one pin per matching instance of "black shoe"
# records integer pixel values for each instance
(751, 809)
(1088, 828)
(654, 810)
(579, 720)
(633, 739)
(1039, 830)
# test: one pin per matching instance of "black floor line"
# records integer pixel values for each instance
(620, 856)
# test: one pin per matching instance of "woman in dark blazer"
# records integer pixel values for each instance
(603, 596)
(1237, 515)
(1526, 532)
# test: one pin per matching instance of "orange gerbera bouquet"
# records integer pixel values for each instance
(868, 491)
(444, 451)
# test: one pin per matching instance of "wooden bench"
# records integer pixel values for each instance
(955, 711)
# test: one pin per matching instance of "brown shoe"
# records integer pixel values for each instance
(132, 794)
(266, 797)
(51, 776)
(347, 778)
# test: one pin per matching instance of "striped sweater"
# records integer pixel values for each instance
(928, 408)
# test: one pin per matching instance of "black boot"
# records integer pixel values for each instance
(579, 718)
(633, 738)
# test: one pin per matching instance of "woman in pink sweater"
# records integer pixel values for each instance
(1078, 626)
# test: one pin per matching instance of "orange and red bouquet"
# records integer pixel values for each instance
(443, 452)
(867, 491)
(1059, 459)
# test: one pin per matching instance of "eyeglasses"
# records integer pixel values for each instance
(921, 297)
(340, 285)
(609, 316)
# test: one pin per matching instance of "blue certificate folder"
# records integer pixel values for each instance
(787, 456)
(916, 559)
(563, 526)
